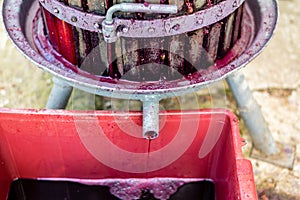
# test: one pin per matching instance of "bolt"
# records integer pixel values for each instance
(125, 29)
(96, 26)
(151, 30)
(220, 13)
(56, 10)
(176, 27)
(234, 4)
(200, 21)
(74, 19)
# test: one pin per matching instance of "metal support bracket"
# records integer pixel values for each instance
(60, 94)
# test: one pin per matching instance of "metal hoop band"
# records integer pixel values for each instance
(144, 28)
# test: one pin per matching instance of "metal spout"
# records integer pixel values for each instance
(150, 119)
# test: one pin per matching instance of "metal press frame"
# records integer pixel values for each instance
(264, 14)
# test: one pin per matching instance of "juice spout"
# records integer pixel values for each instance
(150, 119)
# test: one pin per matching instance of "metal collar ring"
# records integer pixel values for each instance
(143, 28)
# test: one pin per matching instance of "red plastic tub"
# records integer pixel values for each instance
(105, 148)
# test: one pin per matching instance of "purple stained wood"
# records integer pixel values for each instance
(153, 59)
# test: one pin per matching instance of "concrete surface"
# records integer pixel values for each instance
(274, 78)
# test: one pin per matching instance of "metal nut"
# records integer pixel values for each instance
(56, 10)
(74, 19)
(125, 29)
(234, 5)
(151, 30)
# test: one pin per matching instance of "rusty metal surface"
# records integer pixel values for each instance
(140, 28)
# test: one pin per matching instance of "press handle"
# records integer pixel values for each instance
(139, 8)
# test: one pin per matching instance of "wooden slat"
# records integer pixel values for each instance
(66, 42)
(228, 34)
(213, 40)
(96, 6)
(213, 37)
(150, 61)
(195, 51)
(130, 55)
(60, 36)
(176, 48)
(51, 29)
(103, 52)
(118, 57)
(124, 63)
(176, 56)
(153, 59)
(99, 62)
(199, 4)
(79, 34)
(237, 25)
(195, 44)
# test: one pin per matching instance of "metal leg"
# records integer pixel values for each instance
(251, 114)
(268, 149)
(59, 95)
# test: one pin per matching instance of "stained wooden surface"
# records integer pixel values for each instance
(146, 59)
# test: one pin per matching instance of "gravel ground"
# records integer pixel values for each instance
(274, 78)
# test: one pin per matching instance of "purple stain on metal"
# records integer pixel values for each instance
(220, 12)
(214, 10)
(236, 60)
(176, 27)
(160, 188)
(199, 21)
(125, 29)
